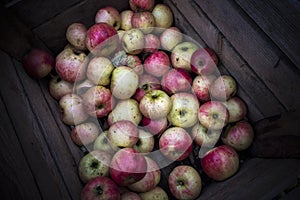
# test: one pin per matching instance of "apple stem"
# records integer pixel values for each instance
(99, 190)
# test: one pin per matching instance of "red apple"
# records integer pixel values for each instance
(141, 5)
(157, 63)
(239, 136)
(100, 188)
(85, 133)
(205, 137)
(126, 16)
(220, 162)
(223, 87)
(109, 15)
(185, 182)
(175, 144)
(237, 109)
(76, 35)
(146, 83)
(155, 126)
(127, 167)
(176, 80)
(145, 143)
(38, 63)
(59, 87)
(143, 21)
(201, 85)
(152, 43)
(204, 61)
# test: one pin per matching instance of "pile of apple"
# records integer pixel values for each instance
(139, 95)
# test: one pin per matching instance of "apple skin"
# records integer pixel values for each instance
(163, 16)
(76, 35)
(155, 126)
(72, 109)
(109, 15)
(156, 193)
(95, 163)
(126, 16)
(152, 43)
(239, 135)
(85, 133)
(127, 167)
(213, 115)
(175, 144)
(220, 162)
(150, 180)
(157, 63)
(147, 83)
(223, 87)
(185, 182)
(98, 101)
(144, 21)
(170, 38)
(38, 63)
(204, 137)
(100, 188)
(59, 87)
(184, 111)
(237, 109)
(141, 5)
(145, 143)
(102, 39)
(155, 104)
(204, 61)
(130, 196)
(71, 66)
(102, 143)
(176, 80)
(201, 86)
(133, 41)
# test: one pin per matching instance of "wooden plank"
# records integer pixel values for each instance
(264, 57)
(53, 32)
(17, 181)
(260, 95)
(284, 31)
(31, 133)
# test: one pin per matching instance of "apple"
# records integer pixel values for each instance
(152, 43)
(204, 137)
(163, 16)
(126, 16)
(223, 87)
(83, 86)
(175, 144)
(144, 21)
(38, 63)
(71, 66)
(133, 41)
(150, 180)
(76, 35)
(102, 143)
(124, 82)
(102, 39)
(134, 62)
(213, 115)
(176, 80)
(98, 101)
(156, 193)
(109, 15)
(181, 55)
(155, 104)
(170, 37)
(59, 87)
(123, 134)
(85, 133)
(185, 182)
(239, 135)
(127, 109)
(201, 86)
(157, 63)
(141, 5)
(237, 109)
(146, 83)
(100, 188)
(204, 61)
(72, 109)
(145, 143)
(127, 167)
(130, 196)
(184, 111)
(220, 162)
(155, 126)
(95, 163)
(99, 70)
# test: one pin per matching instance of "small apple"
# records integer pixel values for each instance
(146, 83)
(184, 111)
(145, 143)
(133, 41)
(76, 35)
(213, 115)
(201, 85)
(59, 87)
(109, 15)
(237, 109)
(220, 162)
(155, 126)
(95, 163)
(223, 87)
(175, 144)
(185, 182)
(156, 193)
(127, 167)
(144, 21)
(130, 196)
(170, 38)
(38, 63)
(176, 80)
(126, 16)
(205, 137)
(85, 133)
(152, 43)
(155, 104)
(157, 63)
(102, 143)
(100, 188)
(239, 135)
(163, 16)
(204, 61)
(141, 5)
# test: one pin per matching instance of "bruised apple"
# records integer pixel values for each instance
(109, 15)
(76, 34)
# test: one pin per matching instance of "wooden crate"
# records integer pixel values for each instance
(258, 43)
